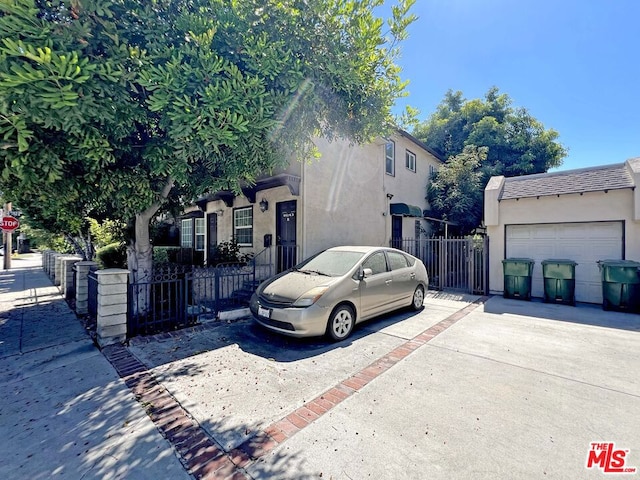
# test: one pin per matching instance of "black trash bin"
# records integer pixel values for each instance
(517, 277)
(559, 281)
(620, 285)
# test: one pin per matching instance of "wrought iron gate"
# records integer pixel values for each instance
(459, 264)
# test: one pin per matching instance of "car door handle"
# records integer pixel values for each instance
(413, 276)
(388, 281)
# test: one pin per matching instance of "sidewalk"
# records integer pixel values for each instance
(64, 412)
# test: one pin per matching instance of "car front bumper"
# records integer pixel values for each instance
(293, 321)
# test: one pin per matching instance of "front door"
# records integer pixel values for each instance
(396, 231)
(286, 249)
(212, 236)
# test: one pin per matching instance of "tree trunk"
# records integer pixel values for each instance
(82, 247)
(140, 256)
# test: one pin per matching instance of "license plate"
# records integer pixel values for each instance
(264, 312)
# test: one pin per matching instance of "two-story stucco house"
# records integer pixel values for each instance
(354, 194)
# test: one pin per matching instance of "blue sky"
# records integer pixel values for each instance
(575, 65)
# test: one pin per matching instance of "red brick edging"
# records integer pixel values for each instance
(201, 455)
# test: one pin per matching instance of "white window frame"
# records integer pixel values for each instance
(237, 215)
(199, 234)
(186, 233)
(390, 159)
(410, 161)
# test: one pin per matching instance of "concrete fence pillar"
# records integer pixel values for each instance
(82, 286)
(57, 272)
(45, 260)
(66, 280)
(112, 306)
(45, 253)
(52, 265)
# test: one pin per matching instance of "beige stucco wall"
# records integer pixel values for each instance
(343, 202)
(345, 193)
(263, 222)
(343, 197)
(407, 186)
(615, 205)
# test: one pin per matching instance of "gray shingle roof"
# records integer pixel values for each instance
(592, 179)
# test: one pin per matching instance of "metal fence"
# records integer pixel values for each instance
(159, 304)
(179, 296)
(212, 289)
(92, 287)
(459, 264)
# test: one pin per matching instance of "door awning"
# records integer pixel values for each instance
(405, 210)
(227, 196)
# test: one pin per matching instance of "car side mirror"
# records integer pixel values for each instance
(365, 272)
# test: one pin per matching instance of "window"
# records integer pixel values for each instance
(376, 262)
(186, 233)
(199, 234)
(411, 161)
(390, 158)
(243, 226)
(397, 260)
(432, 173)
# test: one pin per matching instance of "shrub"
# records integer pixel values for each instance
(162, 255)
(107, 232)
(229, 252)
(113, 255)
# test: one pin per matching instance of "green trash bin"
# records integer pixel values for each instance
(559, 281)
(517, 277)
(620, 285)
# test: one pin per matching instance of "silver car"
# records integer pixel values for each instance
(337, 288)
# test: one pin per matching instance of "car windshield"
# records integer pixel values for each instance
(331, 263)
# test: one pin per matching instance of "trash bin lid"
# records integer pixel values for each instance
(559, 261)
(518, 260)
(619, 263)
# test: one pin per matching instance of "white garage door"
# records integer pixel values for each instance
(585, 243)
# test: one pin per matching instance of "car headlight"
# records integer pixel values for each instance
(310, 297)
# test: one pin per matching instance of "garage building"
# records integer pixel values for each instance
(583, 215)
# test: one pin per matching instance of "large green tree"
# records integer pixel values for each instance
(515, 142)
(456, 191)
(125, 105)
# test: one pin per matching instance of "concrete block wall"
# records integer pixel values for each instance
(57, 269)
(112, 306)
(45, 260)
(66, 276)
(82, 286)
(112, 297)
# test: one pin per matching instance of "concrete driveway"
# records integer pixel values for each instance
(505, 389)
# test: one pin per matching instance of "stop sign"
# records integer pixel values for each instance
(9, 223)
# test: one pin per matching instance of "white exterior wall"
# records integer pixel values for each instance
(616, 205)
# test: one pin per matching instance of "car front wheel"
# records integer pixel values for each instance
(341, 322)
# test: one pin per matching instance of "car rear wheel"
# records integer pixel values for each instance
(341, 322)
(418, 298)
